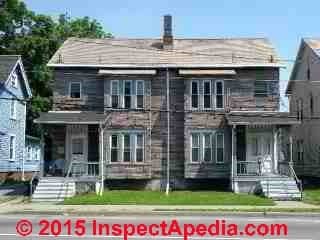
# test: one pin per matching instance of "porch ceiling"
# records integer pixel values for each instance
(71, 118)
(261, 118)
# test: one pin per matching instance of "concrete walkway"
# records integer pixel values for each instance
(18, 206)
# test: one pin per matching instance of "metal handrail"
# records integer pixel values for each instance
(298, 181)
(244, 171)
(34, 175)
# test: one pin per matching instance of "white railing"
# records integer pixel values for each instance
(80, 169)
(248, 168)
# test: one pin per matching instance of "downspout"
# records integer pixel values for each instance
(168, 133)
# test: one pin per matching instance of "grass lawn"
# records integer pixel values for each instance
(174, 198)
(312, 196)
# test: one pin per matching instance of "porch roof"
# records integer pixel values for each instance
(261, 118)
(71, 118)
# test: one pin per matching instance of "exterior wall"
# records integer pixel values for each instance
(309, 129)
(32, 154)
(10, 126)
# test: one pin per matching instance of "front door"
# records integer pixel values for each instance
(260, 151)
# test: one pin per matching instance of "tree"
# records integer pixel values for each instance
(36, 37)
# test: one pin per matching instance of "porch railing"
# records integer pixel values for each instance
(80, 169)
(248, 168)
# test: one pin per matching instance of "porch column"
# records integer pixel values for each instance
(275, 149)
(234, 157)
(101, 158)
(41, 164)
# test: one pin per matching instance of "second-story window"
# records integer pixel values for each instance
(194, 94)
(207, 94)
(13, 109)
(14, 80)
(127, 94)
(219, 94)
(115, 94)
(140, 94)
(75, 90)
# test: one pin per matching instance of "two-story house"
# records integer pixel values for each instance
(303, 92)
(14, 93)
(170, 112)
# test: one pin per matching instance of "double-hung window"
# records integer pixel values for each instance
(300, 151)
(127, 94)
(207, 145)
(127, 147)
(13, 109)
(115, 94)
(140, 94)
(219, 88)
(12, 148)
(219, 148)
(195, 142)
(195, 94)
(207, 94)
(75, 90)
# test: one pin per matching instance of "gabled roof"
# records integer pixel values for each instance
(149, 53)
(8, 63)
(314, 44)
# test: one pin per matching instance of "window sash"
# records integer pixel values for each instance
(207, 147)
(219, 88)
(127, 90)
(219, 147)
(114, 148)
(194, 94)
(139, 148)
(207, 94)
(75, 90)
(115, 94)
(195, 147)
(140, 94)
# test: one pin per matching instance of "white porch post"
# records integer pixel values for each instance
(275, 150)
(234, 157)
(101, 158)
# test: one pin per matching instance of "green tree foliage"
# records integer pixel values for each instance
(36, 37)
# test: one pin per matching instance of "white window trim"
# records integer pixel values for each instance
(216, 135)
(124, 94)
(118, 94)
(198, 90)
(14, 115)
(215, 94)
(211, 134)
(70, 84)
(13, 159)
(135, 148)
(210, 94)
(14, 80)
(136, 96)
(119, 156)
(191, 148)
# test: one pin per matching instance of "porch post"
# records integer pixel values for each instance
(101, 157)
(233, 152)
(275, 150)
(291, 149)
(42, 145)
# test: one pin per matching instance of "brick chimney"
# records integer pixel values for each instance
(167, 32)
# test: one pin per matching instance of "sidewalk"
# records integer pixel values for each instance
(19, 207)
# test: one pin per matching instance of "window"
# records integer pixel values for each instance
(220, 147)
(115, 148)
(13, 109)
(140, 94)
(300, 109)
(14, 80)
(127, 147)
(195, 142)
(219, 94)
(194, 94)
(115, 94)
(207, 94)
(207, 139)
(12, 148)
(127, 94)
(139, 148)
(75, 90)
(311, 105)
(77, 146)
(261, 88)
(300, 151)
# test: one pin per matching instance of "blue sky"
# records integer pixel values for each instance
(284, 22)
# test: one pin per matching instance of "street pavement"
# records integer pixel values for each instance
(299, 227)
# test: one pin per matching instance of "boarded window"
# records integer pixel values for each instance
(75, 90)
(194, 94)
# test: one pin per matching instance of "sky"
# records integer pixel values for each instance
(284, 22)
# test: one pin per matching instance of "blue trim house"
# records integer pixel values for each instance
(14, 93)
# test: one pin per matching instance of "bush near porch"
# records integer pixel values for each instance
(174, 198)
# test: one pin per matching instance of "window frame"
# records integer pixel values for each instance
(216, 94)
(198, 94)
(13, 158)
(80, 90)
(124, 94)
(211, 135)
(13, 109)
(223, 147)
(118, 148)
(199, 147)
(14, 80)
(136, 147)
(136, 94)
(118, 94)
(210, 94)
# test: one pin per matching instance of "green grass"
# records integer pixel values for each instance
(174, 198)
(312, 196)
